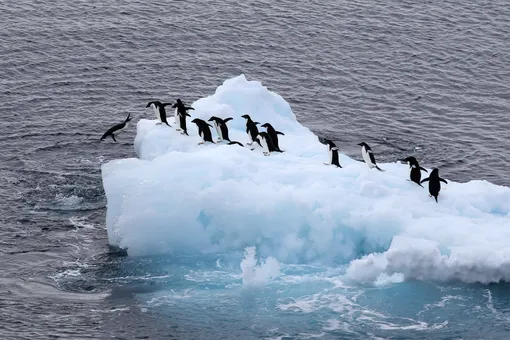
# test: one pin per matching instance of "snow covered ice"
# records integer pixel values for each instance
(179, 197)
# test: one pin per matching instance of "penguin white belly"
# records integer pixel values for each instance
(366, 158)
(176, 115)
(330, 156)
(156, 112)
(120, 130)
(202, 136)
(218, 130)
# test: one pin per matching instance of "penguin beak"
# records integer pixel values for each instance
(149, 104)
(360, 144)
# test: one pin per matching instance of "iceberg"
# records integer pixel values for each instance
(179, 197)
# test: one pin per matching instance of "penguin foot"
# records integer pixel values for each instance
(266, 153)
(177, 129)
(159, 123)
(326, 163)
(201, 143)
(249, 143)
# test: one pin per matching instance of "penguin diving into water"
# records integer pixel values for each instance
(434, 183)
(159, 111)
(203, 130)
(117, 128)
(333, 154)
(273, 134)
(368, 156)
(181, 111)
(415, 170)
(221, 127)
(251, 129)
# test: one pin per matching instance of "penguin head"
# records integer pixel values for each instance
(178, 101)
(246, 116)
(213, 118)
(330, 144)
(363, 145)
(156, 103)
(197, 121)
(411, 160)
(434, 173)
(266, 125)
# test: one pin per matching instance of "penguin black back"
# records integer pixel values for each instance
(117, 128)
(203, 130)
(222, 125)
(251, 128)
(181, 108)
(161, 109)
(270, 144)
(333, 153)
(182, 122)
(273, 134)
(434, 183)
(415, 172)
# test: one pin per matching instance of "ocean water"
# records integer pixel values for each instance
(429, 79)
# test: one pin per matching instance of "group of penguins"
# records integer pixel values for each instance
(268, 140)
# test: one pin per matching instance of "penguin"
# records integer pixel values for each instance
(182, 123)
(203, 130)
(266, 143)
(434, 183)
(221, 127)
(415, 169)
(159, 110)
(368, 156)
(180, 110)
(273, 134)
(251, 129)
(333, 154)
(117, 128)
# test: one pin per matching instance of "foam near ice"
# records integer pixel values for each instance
(180, 197)
(255, 273)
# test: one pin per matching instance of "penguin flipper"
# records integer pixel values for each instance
(379, 168)
(234, 142)
(424, 180)
(189, 108)
(113, 136)
(422, 168)
(256, 123)
(280, 133)
(227, 119)
(443, 180)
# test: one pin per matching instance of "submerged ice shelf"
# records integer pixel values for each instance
(180, 197)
